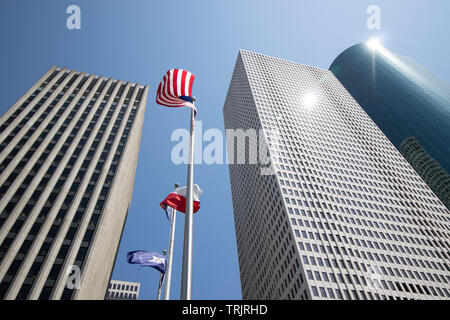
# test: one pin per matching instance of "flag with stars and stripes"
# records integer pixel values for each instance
(175, 90)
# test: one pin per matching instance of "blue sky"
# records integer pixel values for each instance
(139, 40)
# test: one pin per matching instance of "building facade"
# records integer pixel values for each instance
(68, 156)
(428, 168)
(341, 214)
(123, 290)
(402, 98)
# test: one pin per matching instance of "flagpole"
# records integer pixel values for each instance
(161, 278)
(186, 276)
(170, 256)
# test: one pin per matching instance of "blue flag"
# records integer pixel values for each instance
(148, 259)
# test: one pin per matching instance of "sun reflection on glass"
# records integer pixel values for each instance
(310, 99)
(374, 44)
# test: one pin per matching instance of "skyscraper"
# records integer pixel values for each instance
(428, 168)
(68, 156)
(402, 98)
(123, 290)
(342, 215)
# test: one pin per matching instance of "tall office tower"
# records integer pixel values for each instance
(68, 155)
(428, 168)
(123, 290)
(402, 98)
(342, 215)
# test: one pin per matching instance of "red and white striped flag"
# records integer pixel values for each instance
(175, 90)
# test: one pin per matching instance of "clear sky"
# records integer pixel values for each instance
(139, 40)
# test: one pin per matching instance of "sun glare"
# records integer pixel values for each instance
(374, 44)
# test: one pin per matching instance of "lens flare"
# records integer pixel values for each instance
(374, 44)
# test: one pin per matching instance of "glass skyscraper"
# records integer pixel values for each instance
(342, 214)
(402, 98)
(428, 168)
(68, 156)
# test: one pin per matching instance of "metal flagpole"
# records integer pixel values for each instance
(186, 276)
(161, 278)
(169, 258)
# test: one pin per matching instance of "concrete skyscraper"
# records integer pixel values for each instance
(403, 99)
(342, 215)
(68, 156)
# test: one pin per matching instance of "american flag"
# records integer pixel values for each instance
(175, 90)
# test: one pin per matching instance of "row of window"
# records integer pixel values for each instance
(111, 295)
(121, 286)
